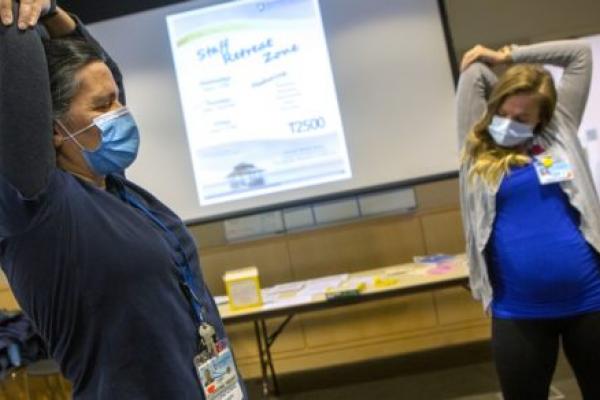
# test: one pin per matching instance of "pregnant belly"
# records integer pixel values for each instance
(550, 272)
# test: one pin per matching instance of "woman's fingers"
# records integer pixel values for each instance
(29, 12)
(484, 54)
(6, 13)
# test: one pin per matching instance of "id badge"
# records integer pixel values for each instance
(552, 169)
(218, 376)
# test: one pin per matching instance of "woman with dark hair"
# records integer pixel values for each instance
(531, 213)
(107, 273)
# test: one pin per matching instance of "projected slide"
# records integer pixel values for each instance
(258, 98)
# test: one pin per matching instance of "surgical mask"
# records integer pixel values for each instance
(119, 144)
(509, 133)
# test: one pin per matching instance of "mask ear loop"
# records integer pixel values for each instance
(71, 136)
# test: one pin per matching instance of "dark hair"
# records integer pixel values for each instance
(65, 58)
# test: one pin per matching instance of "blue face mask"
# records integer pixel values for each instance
(119, 144)
(509, 133)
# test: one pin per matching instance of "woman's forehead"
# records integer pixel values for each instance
(522, 103)
(95, 78)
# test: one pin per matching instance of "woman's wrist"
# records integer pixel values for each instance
(60, 24)
(506, 52)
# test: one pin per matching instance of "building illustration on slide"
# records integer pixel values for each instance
(245, 176)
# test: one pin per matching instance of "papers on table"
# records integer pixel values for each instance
(285, 302)
(286, 294)
(285, 287)
(301, 292)
(320, 285)
(355, 281)
(399, 270)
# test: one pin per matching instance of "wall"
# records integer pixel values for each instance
(496, 23)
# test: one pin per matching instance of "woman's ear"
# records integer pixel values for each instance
(57, 137)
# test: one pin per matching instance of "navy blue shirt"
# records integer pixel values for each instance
(98, 280)
(541, 265)
(95, 274)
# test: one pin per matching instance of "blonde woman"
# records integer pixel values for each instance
(531, 213)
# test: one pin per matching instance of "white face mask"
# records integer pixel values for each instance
(509, 133)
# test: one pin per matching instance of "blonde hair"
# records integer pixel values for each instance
(488, 160)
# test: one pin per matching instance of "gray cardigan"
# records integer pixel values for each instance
(478, 200)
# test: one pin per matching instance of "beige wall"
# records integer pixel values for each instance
(498, 22)
(433, 227)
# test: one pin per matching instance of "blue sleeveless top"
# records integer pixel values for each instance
(541, 266)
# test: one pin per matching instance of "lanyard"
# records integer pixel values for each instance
(184, 271)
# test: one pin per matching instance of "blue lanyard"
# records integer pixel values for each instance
(184, 271)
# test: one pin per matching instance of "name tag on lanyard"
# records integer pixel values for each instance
(552, 169)
(215, 367)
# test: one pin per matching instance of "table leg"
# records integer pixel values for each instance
(269, 359)
(261, 358)
(264, 341)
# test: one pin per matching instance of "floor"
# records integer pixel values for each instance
(458, 373)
